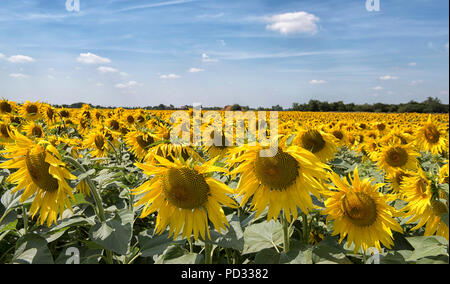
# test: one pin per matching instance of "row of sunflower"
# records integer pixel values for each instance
(187, 189)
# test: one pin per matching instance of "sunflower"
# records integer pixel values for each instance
(443, 174)
(396, 179)
(218, 150)
(184, 196)
(7, 107)
(317, 142)
(41, 173)
(139, 142)
(49, 114)
(33, 129)
(31, 111)
(5, 132)
(422, 206)
(360, 213)
(283, 182)
(97, 140)
(397, 157)
(430, 137)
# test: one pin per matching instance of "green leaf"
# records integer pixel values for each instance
(79, 199)
(298, 254)
(233, 237)
(328, 251)
(8, 227)
(427, 247)
(32, 249)
(190, 258)
(86, 174)
(395, 257)
(173, 254)
(261, 236)
(115, 234)
(267, 256)
(5, 229)
(154, 244)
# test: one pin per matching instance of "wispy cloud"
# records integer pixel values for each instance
(206, 58)
(90, 58)
(238, 55)
(20, 59)
(128, 85)
(105, 70)
(318, 82)
(388, 77)
(169, 76)
(195, 70)
(18, 76)
(155, 5)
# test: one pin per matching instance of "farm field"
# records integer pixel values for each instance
(110, 186)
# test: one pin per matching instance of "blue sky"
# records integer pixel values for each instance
(219, 52)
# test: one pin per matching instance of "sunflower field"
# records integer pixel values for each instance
(107, 186)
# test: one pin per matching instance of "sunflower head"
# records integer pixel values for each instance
(185, 188)
(6, 106)
(184, 195)
(278, 172)
(360, 212)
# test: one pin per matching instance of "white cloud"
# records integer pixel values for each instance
(105, 70)
(128, 85)
(195, 70)
(206, 58)
(416, 82)
(222, 42)
(169, 76)
(388, 77)
(51, 77)
(444, 93)
(20, 59)
(297, 22)
(446, 46)
(123, 74)
(90, 58)
(317, 82)
(2, 56)
(412, 64)
(18, 75)
(378, 88)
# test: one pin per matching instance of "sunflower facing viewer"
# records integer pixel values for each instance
(360, 213)
(41, 173)
(184, 197)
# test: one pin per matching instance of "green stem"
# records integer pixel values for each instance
(305, 228)
(98, 200)
(25, 219)
(93, 189)
(191, 246)
(208, 252)
(286, 240)
(118, 158)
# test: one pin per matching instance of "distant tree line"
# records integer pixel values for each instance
(430, 105)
